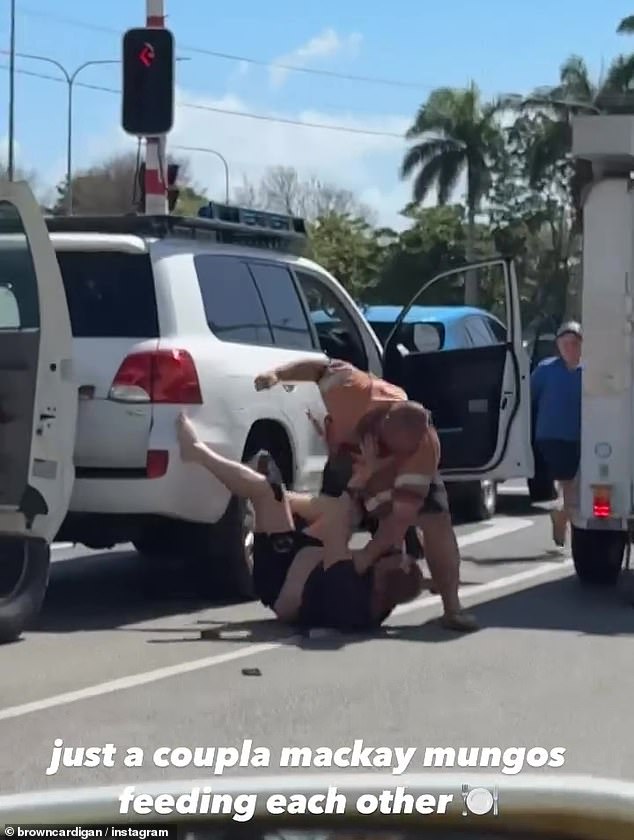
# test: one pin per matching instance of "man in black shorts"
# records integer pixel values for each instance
(307, 579)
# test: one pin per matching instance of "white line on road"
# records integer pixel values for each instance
(62, 545)
(496, 528)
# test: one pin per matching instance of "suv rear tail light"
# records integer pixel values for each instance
(159, 376)
(601, 501)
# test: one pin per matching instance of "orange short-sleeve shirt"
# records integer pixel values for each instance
(349, 394)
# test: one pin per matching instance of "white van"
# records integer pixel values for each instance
(169, 313)
(605, 508)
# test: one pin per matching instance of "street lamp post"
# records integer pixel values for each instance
(11, 152)
(70, 81)
(211, 152)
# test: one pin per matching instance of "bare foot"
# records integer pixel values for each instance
(187, 437)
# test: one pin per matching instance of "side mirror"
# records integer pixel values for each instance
(426, 338)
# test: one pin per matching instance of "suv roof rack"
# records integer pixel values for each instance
(216, 222)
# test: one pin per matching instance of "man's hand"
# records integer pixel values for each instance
(266, 380)
(367, 463)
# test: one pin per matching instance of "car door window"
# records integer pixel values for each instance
(338, 335)
(233, 307)
(478, 332)
(19, 303)
(283, 306)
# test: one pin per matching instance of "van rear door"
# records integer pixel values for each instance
(110, 292)
(38, 398)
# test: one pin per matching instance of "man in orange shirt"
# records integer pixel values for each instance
(397, 472)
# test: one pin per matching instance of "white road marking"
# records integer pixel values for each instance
(60, 546)
(495, 528)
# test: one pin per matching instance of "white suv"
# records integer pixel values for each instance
(170, 313)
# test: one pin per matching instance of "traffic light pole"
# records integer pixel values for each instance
(156, 147)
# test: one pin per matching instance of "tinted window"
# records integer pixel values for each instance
(338, 335)
(283, 306)
(109, 294)
(232, 304)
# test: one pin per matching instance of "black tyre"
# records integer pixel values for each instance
(24, 573)
(598, 556)
(478, 500)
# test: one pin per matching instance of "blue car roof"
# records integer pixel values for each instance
(441, 314)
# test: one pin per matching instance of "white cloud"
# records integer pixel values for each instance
(325, 45)
(366, 164)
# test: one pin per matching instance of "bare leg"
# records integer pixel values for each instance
(560, 517)
(272, 515)
(443, 558)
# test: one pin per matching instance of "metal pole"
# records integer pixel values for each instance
(218, 155)
(70, 78)
(11, 152)
(70, 81)
(69, 150)
(155, 147)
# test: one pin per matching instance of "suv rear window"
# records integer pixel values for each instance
(109, 294)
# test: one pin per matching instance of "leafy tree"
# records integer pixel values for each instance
(437, 241)
(456, 135)
(111, 187)
(281, 190)
(350, 249)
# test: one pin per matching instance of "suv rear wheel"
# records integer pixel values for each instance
(221, 555)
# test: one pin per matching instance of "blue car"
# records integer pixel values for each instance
(436, 329)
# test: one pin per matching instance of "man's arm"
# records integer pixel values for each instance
(309, 370)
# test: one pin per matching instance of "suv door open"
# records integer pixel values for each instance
(479, 397)
(38, 407)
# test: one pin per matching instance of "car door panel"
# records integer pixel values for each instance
(38, 397)
(478, 396)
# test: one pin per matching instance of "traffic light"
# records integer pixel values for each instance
(173, 192)
(148, 82)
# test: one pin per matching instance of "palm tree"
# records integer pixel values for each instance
(626, 26)
(575, 94)
(455, 134)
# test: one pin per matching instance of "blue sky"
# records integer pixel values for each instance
(504, 45)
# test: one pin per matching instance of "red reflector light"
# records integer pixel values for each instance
(157, 461)
(160, 376)
(601, 503)
(601, 509)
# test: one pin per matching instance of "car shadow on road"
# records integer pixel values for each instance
(559, 605)
(107, 590)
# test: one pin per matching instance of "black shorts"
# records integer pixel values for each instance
(436, 500)
(273, 555)
(561, 458)
(339, 598)
(337, 474)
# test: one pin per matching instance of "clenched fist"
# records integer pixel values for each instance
(266, 380)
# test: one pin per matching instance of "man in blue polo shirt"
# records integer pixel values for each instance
(556, 404)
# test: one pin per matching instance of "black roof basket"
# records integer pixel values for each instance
(216, 222)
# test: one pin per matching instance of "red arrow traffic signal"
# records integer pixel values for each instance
(146, 56)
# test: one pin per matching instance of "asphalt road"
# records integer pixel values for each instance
(120, 656)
